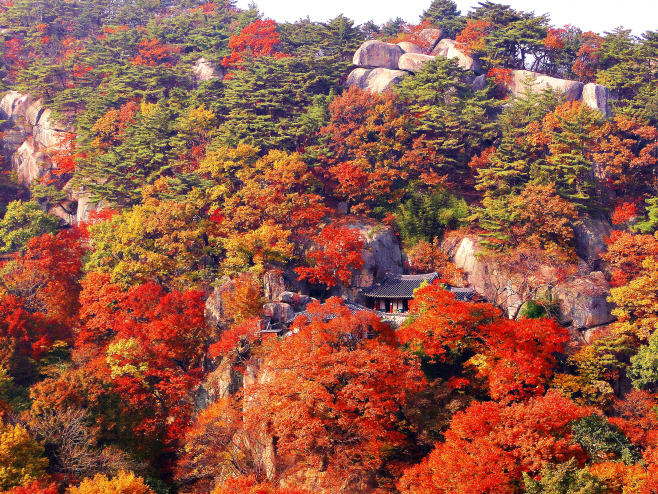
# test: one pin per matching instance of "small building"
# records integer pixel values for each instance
(392, 294)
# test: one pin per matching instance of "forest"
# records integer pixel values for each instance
(193, 197)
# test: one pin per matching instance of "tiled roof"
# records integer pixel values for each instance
(398, 285)
(353, 308)
(463, 294)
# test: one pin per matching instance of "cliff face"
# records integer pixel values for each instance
(582, 298)
(29, 138)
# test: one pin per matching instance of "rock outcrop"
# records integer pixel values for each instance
(448, 48)
(381, 65)
(582, 298)
(29, 135)
(584, 301)
(375, 80)
(296, 300)
(408, 47)
(598, 98)
(204, 70)
(279, 311)
(220, 383)
(381, 253)
(29, 138)
(536, 82)
(374, 54)
(413, 62)
(590, 235)
(431, 36)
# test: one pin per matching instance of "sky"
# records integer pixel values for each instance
(589, 15)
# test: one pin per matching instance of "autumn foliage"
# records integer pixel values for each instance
(489, 445)
(184, 185)
(258, 39)
(337, 257)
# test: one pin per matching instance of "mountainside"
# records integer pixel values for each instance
(211, 223)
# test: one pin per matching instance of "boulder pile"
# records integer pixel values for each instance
(382, 65)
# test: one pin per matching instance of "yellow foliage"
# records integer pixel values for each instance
(121, 355)
(21, 457)
(254, 249)
(123, 483)
(244, 301)
(637, 305)
(161, 240)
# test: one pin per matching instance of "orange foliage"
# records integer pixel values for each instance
(244, 301)
(149, 346)
(636, 418)
(35, 487)
(587, 57)
(554, 39)
(336, 397)
(515, 357)
(624, 212)
(249, 485)
(258, 39)
(625, 254)
(619, 478)
(371, 150)
(65, 154)
(489, 446)
(153, 53)
(236, 339)
(425, 258)
(412, 33)
(123, 483)
(628, 152)
(542, 219)
(518, 357)
(336, 259)
(109, 130)
(46, 276)
(501, 76)
(473, 36)
(443, 323)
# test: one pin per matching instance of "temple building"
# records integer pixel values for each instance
(392, 294)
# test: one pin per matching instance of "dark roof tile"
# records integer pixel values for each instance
(398, 285)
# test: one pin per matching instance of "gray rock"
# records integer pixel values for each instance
(408, 47)
(449, 48)
(214, 310)
(29, 139)
(85, 207)
(359, 78)
(413, 62)
(220, 383)
(432, 36)
(203, 70)
(379, 80)
(376, 53)
(381, 253)
(279, 311)
(536, 82)
(297, 301)
(584, 301)
(590, 235)
(598, 98)
(274, 284)
(375, 80)
(479, 83)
